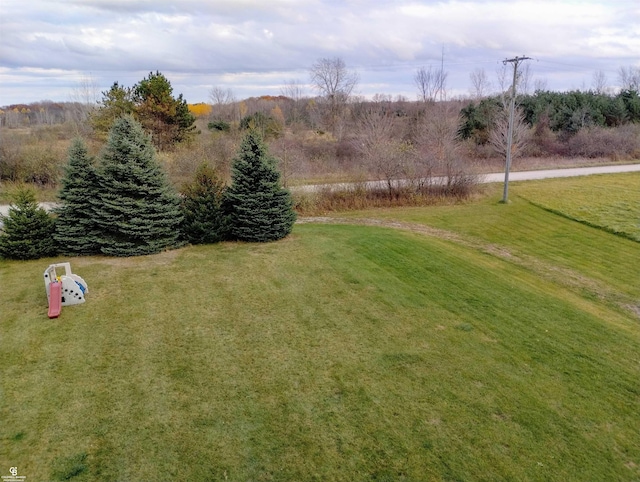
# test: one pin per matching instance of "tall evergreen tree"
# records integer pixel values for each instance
(259, 208)
(202, 207)
(27, 231)
(137, 211)
(168, 119)
(76, 229)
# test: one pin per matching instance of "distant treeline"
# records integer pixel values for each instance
(564, 113)
(45, 112)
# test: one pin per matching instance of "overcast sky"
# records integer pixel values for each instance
(254, 47)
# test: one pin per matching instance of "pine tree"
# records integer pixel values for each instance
(76, 229)
(137, 210)
(202, 207)
(116, 102)
(166, 118)
(258, 208)
(27, 231)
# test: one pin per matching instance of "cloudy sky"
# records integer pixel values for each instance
(49, 47)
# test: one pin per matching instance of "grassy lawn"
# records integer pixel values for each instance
(609, 202)
(343, 352)
(533, 230)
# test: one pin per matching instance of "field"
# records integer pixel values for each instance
(477, 341)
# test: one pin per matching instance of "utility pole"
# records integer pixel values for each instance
(512, 107)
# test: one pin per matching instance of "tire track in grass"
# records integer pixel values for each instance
(563, 276)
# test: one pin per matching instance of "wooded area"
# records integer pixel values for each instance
(333, 134)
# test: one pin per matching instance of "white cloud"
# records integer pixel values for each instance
(250, 38)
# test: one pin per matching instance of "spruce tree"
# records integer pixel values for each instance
(202, 207)
(136, 209)
(27, 231)
(259, 208)
(76, 229)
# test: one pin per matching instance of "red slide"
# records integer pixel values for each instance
(55, 299)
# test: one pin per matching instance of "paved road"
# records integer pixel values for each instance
(493, 177)
(4, 209)
(571, 172)
(486, 178)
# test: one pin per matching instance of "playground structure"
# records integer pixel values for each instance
(63, 290)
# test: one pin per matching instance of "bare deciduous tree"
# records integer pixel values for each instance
(335, 83)
(332, 78)
(629, 78)
(503, 79)
(498, 137)
(599, 82)
(293, 89)
(84, 100)
(289, 156)
(431, 84)
(540, 85)
(523, 79)
(481, 85)
(439, 148)
(223, 104)
(383, 152)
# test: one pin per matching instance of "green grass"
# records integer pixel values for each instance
(545, 239)
(609, 202)
(340, 353)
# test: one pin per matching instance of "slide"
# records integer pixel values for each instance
(55, 299)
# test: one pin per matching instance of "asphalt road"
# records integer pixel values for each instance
(486, 178)
(571, 172)
(494, 177)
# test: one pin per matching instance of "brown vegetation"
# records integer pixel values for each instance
(404, 144)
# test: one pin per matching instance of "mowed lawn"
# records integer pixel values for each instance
(343, 352)
(610, 202)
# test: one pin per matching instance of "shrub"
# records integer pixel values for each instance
(219, 125)
(27, 230)
(201, 207)
(618, 143)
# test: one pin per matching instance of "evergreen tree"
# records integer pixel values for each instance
(167, 119)
(76, 229)
(258, 208)
(27, 231)
(116, 102)
(151, 101)
(202, 207)
(137, 211)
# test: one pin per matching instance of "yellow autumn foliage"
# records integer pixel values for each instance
(200, 110)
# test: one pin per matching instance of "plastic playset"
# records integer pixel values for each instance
(63, 290)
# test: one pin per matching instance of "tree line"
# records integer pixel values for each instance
(382, 137)
(562, 112)
(169, 120)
